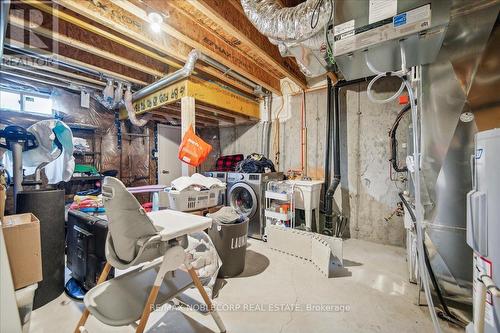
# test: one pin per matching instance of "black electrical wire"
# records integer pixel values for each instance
(448, 315)
(315, 14)
(394, 142)
(330, 49)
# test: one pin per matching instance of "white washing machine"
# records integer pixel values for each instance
(245, 193)
(222, 176)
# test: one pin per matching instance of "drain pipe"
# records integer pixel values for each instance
(5, 19)
(334, 136)
(333, 146)
(328, 136)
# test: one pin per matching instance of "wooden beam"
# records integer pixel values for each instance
(48, 20)
(214, 95)
(77, 62)
(247, 37)
(201, 38)
(218, 111)
(203, 91)
(187, 120)
(161, 116)
(202, 114)
(98, 31)
(218, 117)
(133, 46)
(51, 76)
(111, 15)
(169, 110)
(21, 62)
(54, 35)
(168, 95)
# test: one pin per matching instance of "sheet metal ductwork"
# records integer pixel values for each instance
(457, 100)
(298, 31)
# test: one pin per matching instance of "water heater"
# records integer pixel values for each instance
(483, 231)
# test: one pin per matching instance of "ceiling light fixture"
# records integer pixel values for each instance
(155, 21)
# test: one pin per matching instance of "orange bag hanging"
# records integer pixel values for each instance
(193, 150)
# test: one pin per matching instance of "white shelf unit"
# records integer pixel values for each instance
(278, 216)
(285, 197)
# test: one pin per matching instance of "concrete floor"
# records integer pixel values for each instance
(278, 293)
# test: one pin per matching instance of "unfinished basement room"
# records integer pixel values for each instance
(250, 166)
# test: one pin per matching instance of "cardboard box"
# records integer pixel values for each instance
(22, 240)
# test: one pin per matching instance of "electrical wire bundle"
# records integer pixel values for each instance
(314, 24)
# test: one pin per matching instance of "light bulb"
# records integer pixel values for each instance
(155, 21)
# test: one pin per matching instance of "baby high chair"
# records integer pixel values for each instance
(157, 241)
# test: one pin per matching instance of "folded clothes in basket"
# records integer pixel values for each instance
(197, 182)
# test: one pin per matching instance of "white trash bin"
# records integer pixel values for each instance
(24, 300)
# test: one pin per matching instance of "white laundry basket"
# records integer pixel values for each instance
(190, 200)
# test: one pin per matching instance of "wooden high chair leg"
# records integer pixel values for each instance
(208, 302)
(147, 309)
(86, 313)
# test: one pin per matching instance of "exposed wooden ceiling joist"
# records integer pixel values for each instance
(78, 62)
(205, 117)
(183, 28)
(214, 115)
(175, 120)
(60, 38)
(94, 28)
(50, 76)
(175, 111)
(245, 36)
(21, 62)
(176, 115)
(111, 15)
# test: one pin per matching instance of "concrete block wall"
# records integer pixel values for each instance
(366, 194)
(243, 139)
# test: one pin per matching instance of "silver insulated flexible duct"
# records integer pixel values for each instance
(298, 31)
(290, 24)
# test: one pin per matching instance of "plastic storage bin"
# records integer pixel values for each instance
(191, 200)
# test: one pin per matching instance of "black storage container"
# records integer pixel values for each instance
(48, 207)
(86, 240)
(230, 240)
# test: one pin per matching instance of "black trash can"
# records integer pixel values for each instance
(230, 240)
